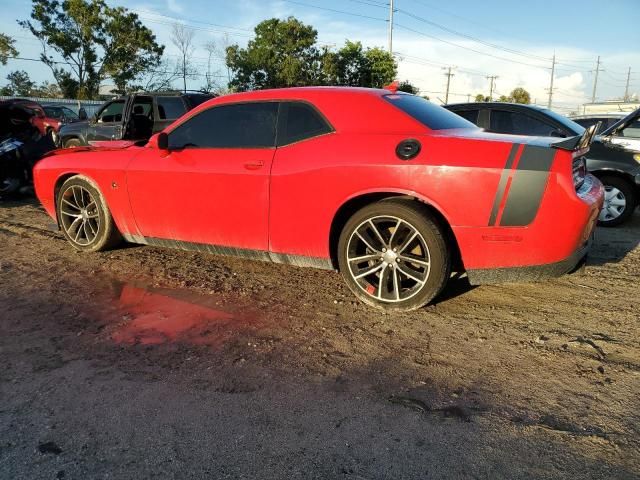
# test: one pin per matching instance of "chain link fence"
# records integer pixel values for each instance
(90, 106)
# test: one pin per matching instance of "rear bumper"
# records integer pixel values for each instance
(531, 273)
(550, 246)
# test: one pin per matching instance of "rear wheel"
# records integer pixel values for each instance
(72, 143)
(620, 200)
(84, 217)
(393, 255)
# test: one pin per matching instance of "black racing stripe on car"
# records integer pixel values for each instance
(527, 186)
(503, 183)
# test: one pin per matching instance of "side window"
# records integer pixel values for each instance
(241, 125)
(70, 114)
(503, 121)
(471, 115)
(301, 121)
(112, 112)
(631, 131)
(170, 108)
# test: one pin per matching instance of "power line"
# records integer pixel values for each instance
(467, 48)
(475, 39)
(335, 11)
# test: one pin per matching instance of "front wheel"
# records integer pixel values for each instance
(393, 255)
(84, 217)
(619, 201)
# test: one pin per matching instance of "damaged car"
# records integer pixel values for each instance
(23, 141)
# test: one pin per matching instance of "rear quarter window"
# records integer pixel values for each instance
(429, 114)
(170, 108)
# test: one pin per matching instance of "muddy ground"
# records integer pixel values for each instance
(150, 363)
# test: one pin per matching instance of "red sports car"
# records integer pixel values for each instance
(386, 187)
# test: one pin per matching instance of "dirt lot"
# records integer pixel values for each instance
(150, 363)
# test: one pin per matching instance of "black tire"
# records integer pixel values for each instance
(89, 229)
(72, 143)
(627, 192)
(399, 284)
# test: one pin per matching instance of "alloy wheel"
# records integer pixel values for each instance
(388, 258)
(79, 215)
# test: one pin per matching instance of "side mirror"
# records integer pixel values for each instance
(163, 141)
(82, 113)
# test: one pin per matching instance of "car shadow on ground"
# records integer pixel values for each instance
(612, 245)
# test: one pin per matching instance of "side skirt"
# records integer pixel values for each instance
(297, 260)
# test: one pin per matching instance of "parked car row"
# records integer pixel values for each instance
(614, 156)
(131, 119)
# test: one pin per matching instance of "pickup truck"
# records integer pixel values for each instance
(131, 118)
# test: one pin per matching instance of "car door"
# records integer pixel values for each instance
(107, 124)
(212, 185)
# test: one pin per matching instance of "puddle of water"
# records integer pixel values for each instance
(153, 317)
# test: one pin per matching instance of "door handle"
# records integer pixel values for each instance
(253, 165)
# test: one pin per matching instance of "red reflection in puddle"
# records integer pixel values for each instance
(154, 318)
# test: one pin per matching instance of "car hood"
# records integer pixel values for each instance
(77, 126)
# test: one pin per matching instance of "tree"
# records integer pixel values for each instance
(408, 87)
(354, 66)
(7, 48)
(182, 38)
(481, 98)
(158, 79)
(95, 41)
(517, 95)
(211, 83)
(520, 95)
(47, 90)
(19, 84)
(282, 54)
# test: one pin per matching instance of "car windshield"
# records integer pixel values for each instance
(70, 113)
(427, 113)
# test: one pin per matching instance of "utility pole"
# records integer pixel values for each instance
(553, 71)
(391, 27)
(448, 75)
(491, 78)
(468, 97)
(626, 88)
(595, 81)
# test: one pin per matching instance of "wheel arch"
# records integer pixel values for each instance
(622, 175)
(60, 181)
(356, 202)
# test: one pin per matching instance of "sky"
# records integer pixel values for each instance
(512, 40)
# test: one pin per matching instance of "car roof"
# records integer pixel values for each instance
(496, 104)
(296, 93)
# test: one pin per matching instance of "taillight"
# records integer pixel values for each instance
(579, 169)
